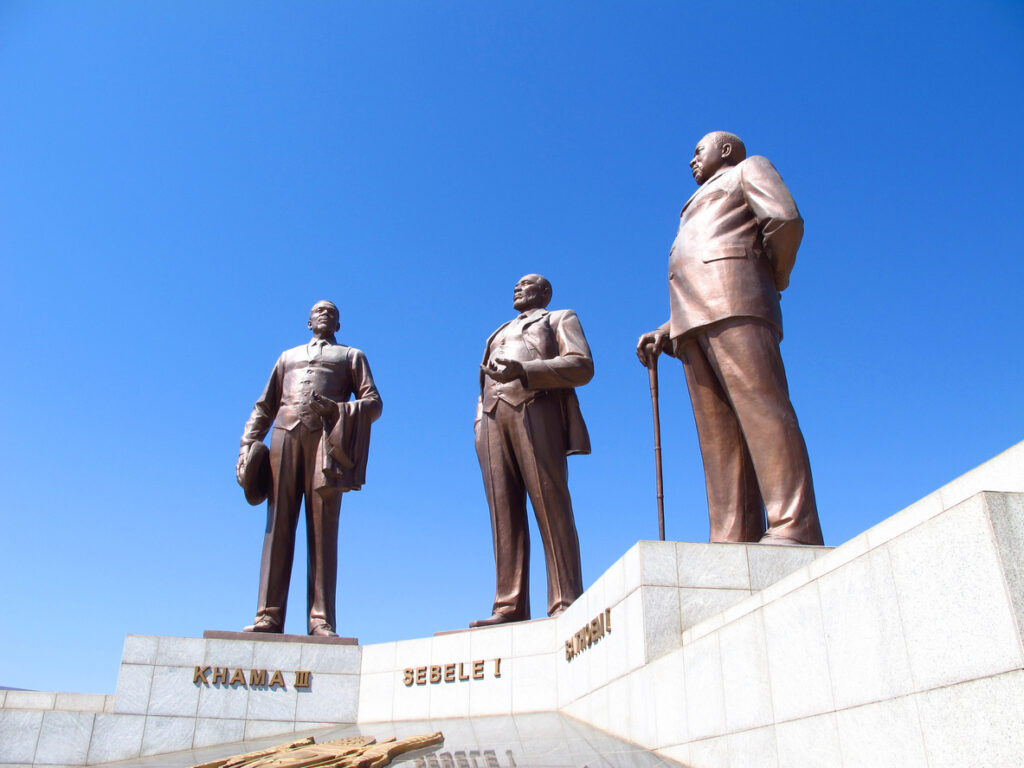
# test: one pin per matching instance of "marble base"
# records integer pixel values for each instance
(901, 647)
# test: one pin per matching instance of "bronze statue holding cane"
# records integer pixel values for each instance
(732, 257)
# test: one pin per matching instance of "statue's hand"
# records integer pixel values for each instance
(324, 407)
(503, 370)
(242, 454)
(650, 345)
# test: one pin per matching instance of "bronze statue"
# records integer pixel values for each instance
(737, 242)
(318, 451)
(528, 420)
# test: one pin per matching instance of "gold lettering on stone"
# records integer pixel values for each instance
(407, 677)
(238, 677)
(497, 667)
(199, 676)
(277, 679)
(435, 674)
(590, 633)
(478, 670)
(303, 678)
(421, 676)
(461, 675)
(220, 675)
(449, 673)
(257, 677)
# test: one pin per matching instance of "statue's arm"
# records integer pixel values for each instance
(572, 367)
(266, 408)
(777, 216)
(363, 387)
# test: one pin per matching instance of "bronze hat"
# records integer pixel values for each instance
(256, 473)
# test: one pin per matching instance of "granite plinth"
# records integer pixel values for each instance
(901, 647)
(276, 637)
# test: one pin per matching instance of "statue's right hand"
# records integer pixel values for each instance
(242, 454)
(650, 345)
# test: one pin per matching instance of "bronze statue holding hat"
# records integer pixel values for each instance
(321, 401)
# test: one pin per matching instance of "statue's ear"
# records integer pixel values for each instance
(726, 149)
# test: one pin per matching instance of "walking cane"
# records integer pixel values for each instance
(652, 373)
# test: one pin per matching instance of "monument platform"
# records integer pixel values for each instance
(901, 647)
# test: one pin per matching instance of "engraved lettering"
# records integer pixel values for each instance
(199, 676)
(303, 678)
(589, 634)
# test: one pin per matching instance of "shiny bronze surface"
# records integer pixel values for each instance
(736, 246)
(321, 401)
(528, 420)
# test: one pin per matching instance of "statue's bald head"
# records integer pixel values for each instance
(715, 151)
(737, 151)
(531, 292)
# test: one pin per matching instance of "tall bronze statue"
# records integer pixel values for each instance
(528, 420)
(737, 243)
(318, 451)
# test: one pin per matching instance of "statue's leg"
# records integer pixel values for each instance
(507, 502)
(321, 547)
(745, 356)
(735, 508)
(540, 451)
(279, 540)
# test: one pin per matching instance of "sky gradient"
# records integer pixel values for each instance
(181, 181)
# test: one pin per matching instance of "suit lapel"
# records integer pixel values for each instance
(705, 187)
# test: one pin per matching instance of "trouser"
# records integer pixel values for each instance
(292, 464)
(522, 452)
(755, 458)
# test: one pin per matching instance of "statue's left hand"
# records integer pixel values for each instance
(324, 406)
(503, 370)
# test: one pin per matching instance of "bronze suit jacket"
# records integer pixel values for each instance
(338, 373)
(737, 242)
(558, 361)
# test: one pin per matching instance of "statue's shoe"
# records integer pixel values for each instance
(323, 630)
(496, 618)
(263, 625)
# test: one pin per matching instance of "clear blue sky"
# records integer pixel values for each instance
(180, 181)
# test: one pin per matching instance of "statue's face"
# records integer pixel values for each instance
(707, 160)
(323, 318)
(528, 294)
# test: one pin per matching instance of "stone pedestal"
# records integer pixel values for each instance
(901, 647)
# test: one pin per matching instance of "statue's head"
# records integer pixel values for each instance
(531, 292)
(715, 151)
(324, 318)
